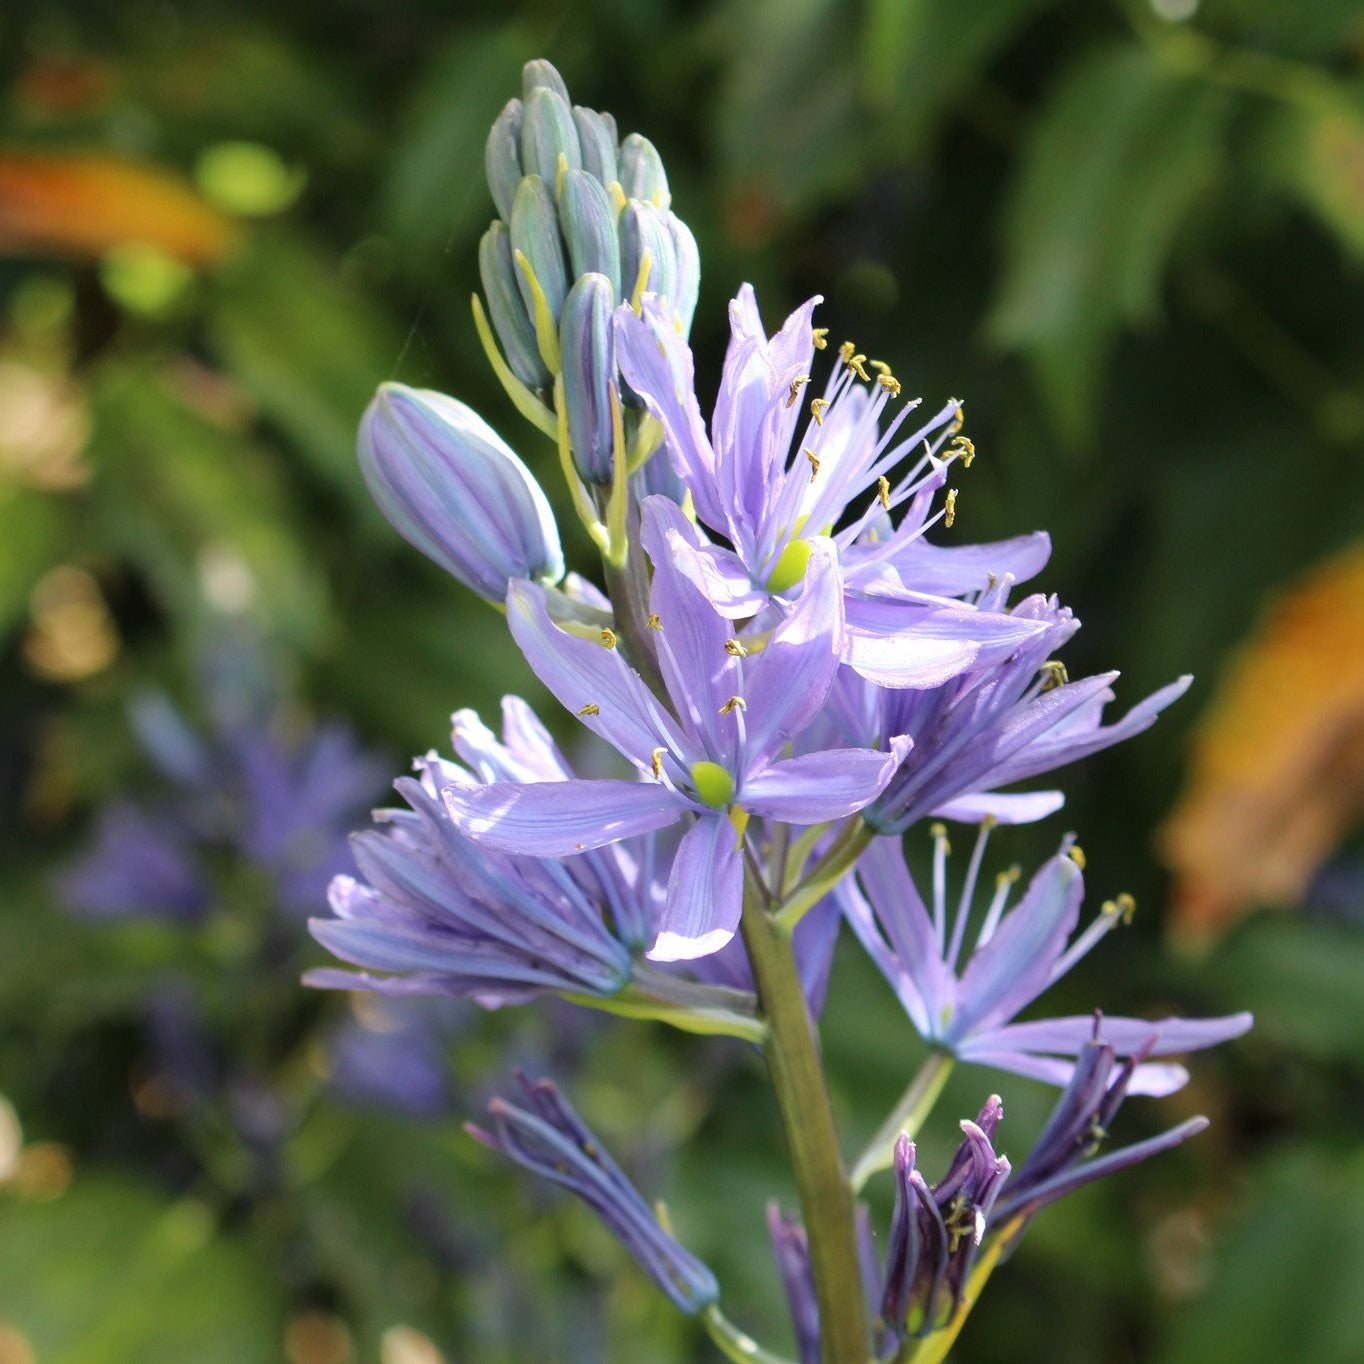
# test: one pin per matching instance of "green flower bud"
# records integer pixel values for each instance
(547, 133)
(586, 340)
(542, 75)
(502, 157)
(535, 233)
(641, 171)
(688, 258)
(588, 221)
(501, 285)
(597, 136)
(643, 228)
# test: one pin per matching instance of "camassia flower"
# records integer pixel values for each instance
(439, 915)
(771, 493)
(714, 759)
(548, 1137)
(1018, 952)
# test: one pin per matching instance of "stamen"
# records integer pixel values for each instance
(1054, 674)
(1077, 855)
(883, 486)
(820, 336)
(959, 420)
(794, 391)
(941, 848)
(653, 622)
(814, 463)
(735, 649)
(1004, 882)
(590, 709)
(890, 383)
(608, 637)
(968, 891)
(857, 366)
(846, 351)
(656, 762)
(963, 448)
(817, 407)
(949, 507)
(1111, 913)
(732, 703)
(880, 366)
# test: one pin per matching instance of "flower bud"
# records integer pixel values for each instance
(597, 137)
(642, 228)
(451, 487)
(548, 132)
(514, 328)
(542, 75)
(641, 171)
(587, 341)
(502, 157)
(535, 233)
(688, 286)
(588, 221)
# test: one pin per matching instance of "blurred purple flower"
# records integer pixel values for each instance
(548, 1137)
(1018, 953)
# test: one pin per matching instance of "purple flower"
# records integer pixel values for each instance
(967, 1010)
(934, 1232)
(453, 488)
(999, 722)
(770, 493)
(442, 915)
(549, 1138)
(715, 758)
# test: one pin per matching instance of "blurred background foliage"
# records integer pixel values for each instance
(1129, 234)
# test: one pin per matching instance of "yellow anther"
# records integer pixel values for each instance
(794, 392)
(858, 367)
(890, 383)
(963, 448)
(883, 491)
(653, 622)
(732, 703)
(880, 366)
(1124, 907)
(820, 336)
(1008, 878)
(817, 406)
(735, 649)
(608, 637)
(938, 830)
(950, 507)
(590, 709)
(991, 582)
(814, 463)
(1077, 855)
(959, 420)
(1054, 674)
(656, 762)
(846, 351)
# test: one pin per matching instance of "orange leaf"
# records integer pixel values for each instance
(82, 205)
(1276, 777)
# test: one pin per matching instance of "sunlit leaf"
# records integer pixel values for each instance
(83, 206)
(1112, 168)
(1276, 776)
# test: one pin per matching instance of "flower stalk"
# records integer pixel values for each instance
(908, 1116)
(803, 1100)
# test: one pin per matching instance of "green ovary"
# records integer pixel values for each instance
(714, 786)
(790, 568)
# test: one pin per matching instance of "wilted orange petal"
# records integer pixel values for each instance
(83, 205)
(1276, 777)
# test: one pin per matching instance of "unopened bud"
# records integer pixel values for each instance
(535, 233)
(502, 157)
(641, 171)
(586, 338)
(688, 285)
(547, 133)
(588, 222)
(450, 486)
(597, 137)
(501, 284)
(642, 228)
(542, 75)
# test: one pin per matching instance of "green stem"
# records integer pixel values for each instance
(916, 1103)
(736, 1344)
(826, 1203)
(688, 1005)
(826, 873)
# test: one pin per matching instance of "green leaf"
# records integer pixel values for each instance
(1286, 1286)
(1318, 155)
(1111, 171)
(108, 1273)
(435, 194)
